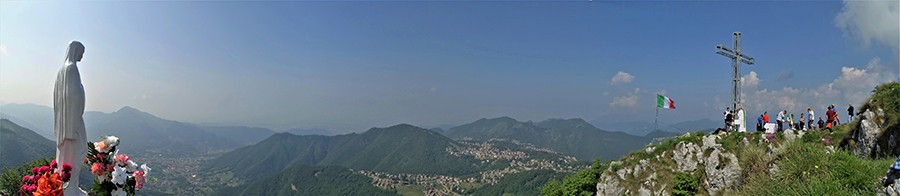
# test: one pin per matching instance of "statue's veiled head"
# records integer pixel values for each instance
(75, 52)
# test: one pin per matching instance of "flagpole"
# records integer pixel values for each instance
(656, 121)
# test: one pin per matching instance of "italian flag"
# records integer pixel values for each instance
(664, 102)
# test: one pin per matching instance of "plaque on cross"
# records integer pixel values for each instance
(737, 57)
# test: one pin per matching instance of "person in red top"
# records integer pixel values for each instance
(830, 114)
(766, 117)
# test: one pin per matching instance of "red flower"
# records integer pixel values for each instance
(66, 167)
(53, 164)
(65, 176)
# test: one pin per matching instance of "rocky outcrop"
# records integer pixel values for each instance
(609, 185)
(870, 139)
(686, 156)
(720, 174)
(721, 168)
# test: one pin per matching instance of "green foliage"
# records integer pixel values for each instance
(553, 187)
(309, 180)
(685, 184)
(522, 183)
(11, 178)
(582, 183)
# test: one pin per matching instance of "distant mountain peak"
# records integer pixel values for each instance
(498, 119)
(128, 109)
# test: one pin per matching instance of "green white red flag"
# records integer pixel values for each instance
(664, 102)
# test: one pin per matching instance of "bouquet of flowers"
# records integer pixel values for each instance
(46, 180)
(116, 173)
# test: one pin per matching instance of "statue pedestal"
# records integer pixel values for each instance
(74, 191)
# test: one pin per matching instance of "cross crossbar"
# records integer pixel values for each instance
(737, 57)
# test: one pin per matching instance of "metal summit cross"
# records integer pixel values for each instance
(737, 57)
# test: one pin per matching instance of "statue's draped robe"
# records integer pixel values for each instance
(68, 107)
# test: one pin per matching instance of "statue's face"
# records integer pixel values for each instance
(80, 55)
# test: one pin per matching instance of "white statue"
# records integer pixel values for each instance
(68, 106)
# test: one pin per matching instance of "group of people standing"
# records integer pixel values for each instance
(807, 120)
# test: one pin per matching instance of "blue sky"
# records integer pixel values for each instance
(348, 66)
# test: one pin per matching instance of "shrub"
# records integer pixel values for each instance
(685, 184)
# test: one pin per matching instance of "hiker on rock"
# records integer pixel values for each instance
(800, 122)
(850, 113)
(759, 123)
(830, 115)
(790, 121)
(812, 119)
(729, 121)
(821, 124)
(724, 114)
(780, 120)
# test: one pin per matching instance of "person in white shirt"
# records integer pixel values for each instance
(780, 120)
(811, 119)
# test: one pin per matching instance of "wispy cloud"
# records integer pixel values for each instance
(621, 78)
(784, 75)
(869, 21)
(629, 100)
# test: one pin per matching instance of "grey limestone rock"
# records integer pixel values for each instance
(684, 154)
(609, 185)
(720, 175)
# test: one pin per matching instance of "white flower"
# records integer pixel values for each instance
(119, 192)
(119, 175)
(103, 178)
(146, 170)
(131, 166)
(111, 141)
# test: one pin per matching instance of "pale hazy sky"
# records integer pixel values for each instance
(347, 66)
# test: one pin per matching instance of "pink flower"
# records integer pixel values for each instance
(53, 164)
(35, 170)
(109, 168)
(44, 169)
(138, 179)
(26, 179)
(98, 169)
(66, 167)
(121, 159)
